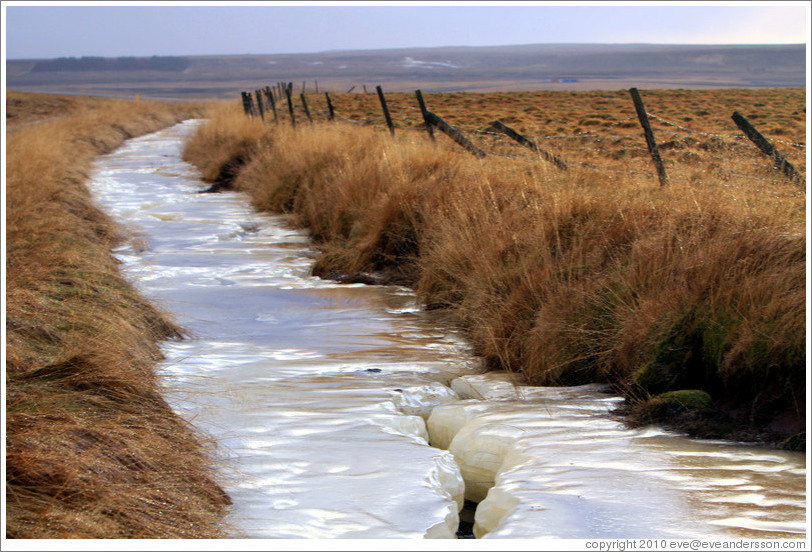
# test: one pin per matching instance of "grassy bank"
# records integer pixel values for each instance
(689, 298)
(92, 449)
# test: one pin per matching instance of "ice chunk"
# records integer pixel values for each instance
(491, 385)
(480, 448)
(421, 400)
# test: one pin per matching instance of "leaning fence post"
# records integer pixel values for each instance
(766, 147)
(330, 106)
(652, 144)
(306, 109)
(385, 111)
(424, 111)
(290, 105)
(557, 161)
(455, 135)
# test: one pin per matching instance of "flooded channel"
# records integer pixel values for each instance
(345, 411)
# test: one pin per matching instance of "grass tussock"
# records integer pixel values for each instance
(562, 277)
(92, 449)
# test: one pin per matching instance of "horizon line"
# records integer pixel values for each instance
(340, 50)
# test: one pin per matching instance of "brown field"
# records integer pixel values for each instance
(23, 108)
(596, 273)
(92, 450)
(601, 127)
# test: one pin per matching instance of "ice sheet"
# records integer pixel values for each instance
(555, 463)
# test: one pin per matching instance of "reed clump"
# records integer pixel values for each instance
(92, 449)
(561, 277)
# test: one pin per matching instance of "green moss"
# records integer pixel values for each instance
(672, 359)
(673, 408)
(716, 338)
(689, 354)
(687, 398)
(654, 376)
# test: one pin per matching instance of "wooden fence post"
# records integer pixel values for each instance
(290, 104)
(330, 106)
(350, 90)
(251, 105)
(652, 144)
(259, 104)
(246, 103)
(766, 147)
(557, 161)
(385, 111)
(316, 83)
(455, 135)
(304, 104)
(271, 102)
(424, 111)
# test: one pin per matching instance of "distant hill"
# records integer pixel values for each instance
(528, 67)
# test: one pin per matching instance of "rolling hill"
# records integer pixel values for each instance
(526, 67)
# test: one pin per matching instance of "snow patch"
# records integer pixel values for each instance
(410, 62)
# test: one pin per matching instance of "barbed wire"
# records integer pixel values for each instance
(409, 107)
(564, 142)
(724, 136)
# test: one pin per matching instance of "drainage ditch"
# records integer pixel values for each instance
(293, 376)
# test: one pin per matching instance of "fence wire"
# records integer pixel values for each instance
(608, 148)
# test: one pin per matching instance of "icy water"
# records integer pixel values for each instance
(344, 411)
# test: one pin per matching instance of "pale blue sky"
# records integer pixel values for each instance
(39, 30)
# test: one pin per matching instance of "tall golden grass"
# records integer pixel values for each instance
(561, 277)
(92, 449)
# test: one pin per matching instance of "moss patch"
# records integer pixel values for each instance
(688, 355)
(685, 398)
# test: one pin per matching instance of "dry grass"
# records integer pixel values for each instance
(24, 108)
(600, 128)
(563, 277)
(92, 449)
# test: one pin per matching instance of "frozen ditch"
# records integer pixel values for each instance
(344, 411)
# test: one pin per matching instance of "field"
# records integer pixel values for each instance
(694, 129)
(689, 298)
(92, 450)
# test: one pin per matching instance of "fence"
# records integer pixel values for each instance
(615, 148)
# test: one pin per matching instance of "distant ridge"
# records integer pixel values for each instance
(474, 68)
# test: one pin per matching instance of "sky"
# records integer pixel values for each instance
(111, 29)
